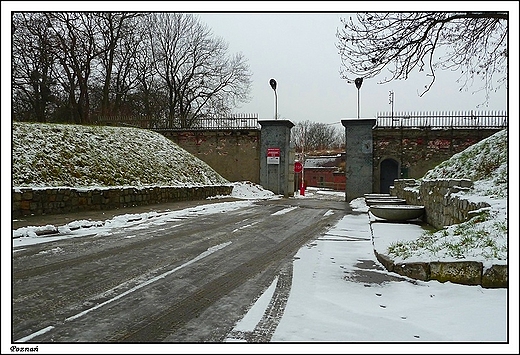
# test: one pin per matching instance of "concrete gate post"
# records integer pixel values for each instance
(359, 162)
(276, 157)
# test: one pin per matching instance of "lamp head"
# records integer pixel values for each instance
(272, 82)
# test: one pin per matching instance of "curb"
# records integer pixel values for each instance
(459, 272)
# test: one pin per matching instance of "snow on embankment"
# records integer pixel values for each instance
(484, 163)
(45, 155)
(485, 236)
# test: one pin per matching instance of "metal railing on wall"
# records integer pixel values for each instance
(443, 120)
(237, 121)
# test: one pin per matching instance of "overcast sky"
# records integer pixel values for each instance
(299, 51)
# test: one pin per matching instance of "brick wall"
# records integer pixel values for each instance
(325, 177)
(234, 154)
(419, 150)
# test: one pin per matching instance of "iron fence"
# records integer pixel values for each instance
(443, 120)
(237, 121)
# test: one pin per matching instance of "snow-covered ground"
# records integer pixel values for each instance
(324, 305)
(327, 304)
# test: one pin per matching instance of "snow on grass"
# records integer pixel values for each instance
(485, 236)
(484, 163)
(48, 155)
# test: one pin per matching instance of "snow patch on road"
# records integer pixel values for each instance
(284, 211)
(28, 236)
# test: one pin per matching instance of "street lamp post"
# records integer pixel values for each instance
(391, 102)
(272, 82)
(358, 83)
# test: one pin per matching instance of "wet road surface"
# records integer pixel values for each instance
(187, 279)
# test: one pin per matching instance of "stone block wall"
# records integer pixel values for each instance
(234, 154)
(442, 207)
(56, 200)
(278, 178)
(459, 272)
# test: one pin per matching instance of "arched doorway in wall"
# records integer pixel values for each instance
(389, 171)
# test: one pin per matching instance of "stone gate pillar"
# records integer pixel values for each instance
(276, 160)
(359, 160)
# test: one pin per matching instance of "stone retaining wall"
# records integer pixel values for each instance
(461, 272)
(56, 200)
(442, 208)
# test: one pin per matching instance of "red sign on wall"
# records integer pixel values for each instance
(273, 155)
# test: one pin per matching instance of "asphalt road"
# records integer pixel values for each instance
(187, 280)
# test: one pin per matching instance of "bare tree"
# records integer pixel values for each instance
(316, 136)
(199, 77)
(299, 136)
(118, 51)
(321, 136)
(32, 77)
(76, 41)
(150, 94)
(71, 66)
(475, 43)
